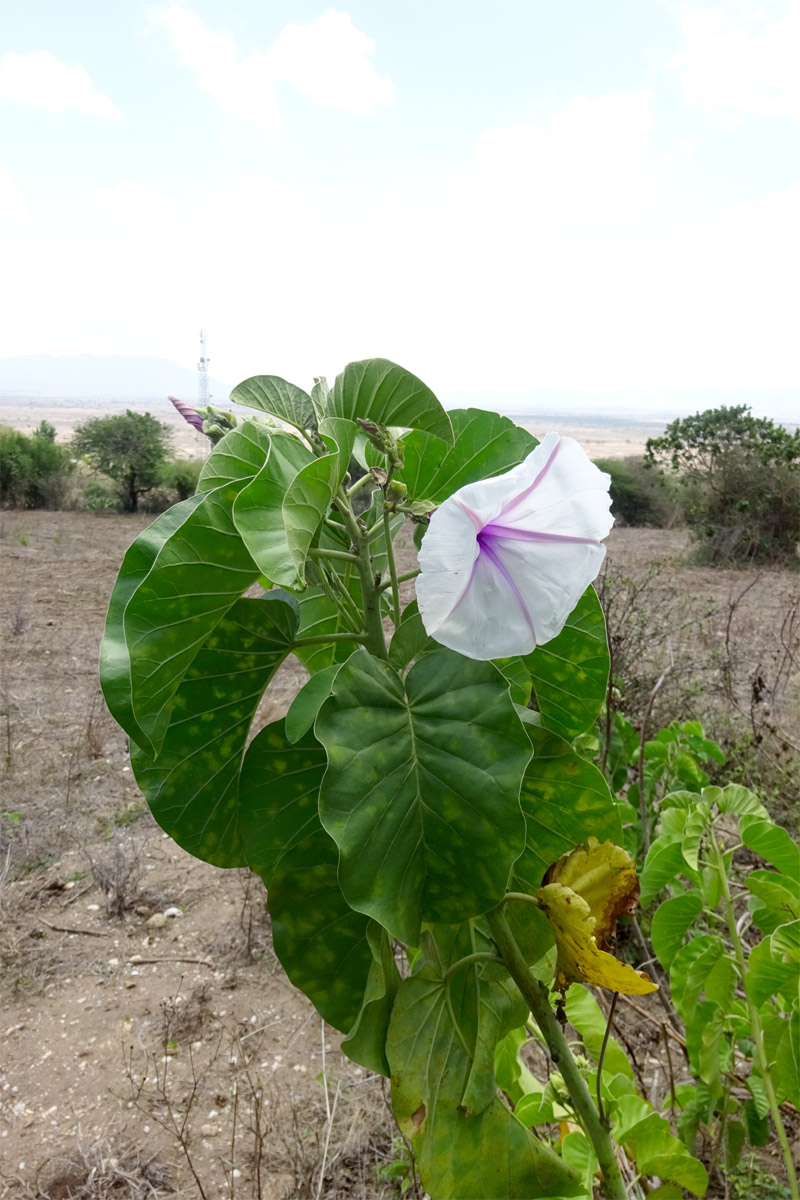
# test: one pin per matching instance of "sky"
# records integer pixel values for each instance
(516, 196)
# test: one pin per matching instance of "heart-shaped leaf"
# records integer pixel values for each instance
(321, 942)
(380, 391)
(278, 796)
(565, 800)
(200, 570)
(488, 1156)
(671, 922)
(115, 662)
(192, 785)
(404, 814)
(366, 1041)
(486, 444)
(570, 673)
(258, 511)
(276, 396)
(239, 455)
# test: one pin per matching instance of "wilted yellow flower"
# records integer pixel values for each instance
(582, 895)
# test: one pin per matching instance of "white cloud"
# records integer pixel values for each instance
(735, 65)
(326, 60)
(40, 79)
(13, 201)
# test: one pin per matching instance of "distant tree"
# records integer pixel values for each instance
(742, 478)
(46, 431)
(130, 449)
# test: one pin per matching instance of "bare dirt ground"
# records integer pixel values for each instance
(149, 1041)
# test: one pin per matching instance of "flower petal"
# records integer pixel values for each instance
(505, 560)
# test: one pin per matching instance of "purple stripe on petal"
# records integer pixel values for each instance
(513, 534)
(473, 516)
(512, 504)
(490, 551)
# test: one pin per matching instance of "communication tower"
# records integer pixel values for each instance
(204, 396)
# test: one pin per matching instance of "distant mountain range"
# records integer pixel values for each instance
(102, 376)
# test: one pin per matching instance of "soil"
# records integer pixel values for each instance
(151, 1043)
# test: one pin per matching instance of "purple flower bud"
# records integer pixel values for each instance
(188, 414)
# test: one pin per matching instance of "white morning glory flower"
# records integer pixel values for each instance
(505, 561)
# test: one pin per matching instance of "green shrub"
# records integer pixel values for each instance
(180, 475)
(640, 496)
(741, 476)
(34, 471)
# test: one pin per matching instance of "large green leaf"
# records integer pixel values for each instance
(278, 796)
(309, 494)
(767, 974)
(486, 444)
(239, 455)
(488, 1156)
(787, 1066)
(201, 569)
(671, 922)
(309, 700)
(380, 391)
(419, 781)
(276, 396)
(366, 1040)
(779, 897)
(584, 1014)
(259, 513)
(410, 639)
(655, 1148)
(771, 842)
(565, 800)
(664, 861)
(115, 662)
(691, 968)
(570, 673)
(321, 942)
(192, 785)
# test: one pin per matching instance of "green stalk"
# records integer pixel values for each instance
(359, 540)
(387, 533)
(404, 578)
(755, 1020)
(537, 997)
(322, 639)
(337, 555)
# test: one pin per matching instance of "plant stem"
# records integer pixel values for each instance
(755, 1020)
(374, 639)
(404, 578)
(478, 957)
(538, 1000)
(387, 533)
(322, 639)
(340, 555)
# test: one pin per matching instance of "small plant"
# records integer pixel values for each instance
(735, 982)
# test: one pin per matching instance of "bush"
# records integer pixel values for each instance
(741, 476)
(640, 496)
(180, 475)
(34, 471)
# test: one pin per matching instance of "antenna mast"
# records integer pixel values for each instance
(203, 393)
